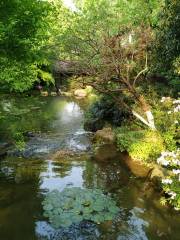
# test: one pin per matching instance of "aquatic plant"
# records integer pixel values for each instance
(73, 205)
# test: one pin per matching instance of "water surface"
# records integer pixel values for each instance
(53, 124)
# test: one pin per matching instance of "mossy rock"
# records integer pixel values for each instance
(64, 153)
(67, 94)
(93, 125)
(80, 93)
(105, 135)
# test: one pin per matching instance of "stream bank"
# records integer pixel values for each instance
(105, 149)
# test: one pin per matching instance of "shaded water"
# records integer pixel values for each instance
(26, 177)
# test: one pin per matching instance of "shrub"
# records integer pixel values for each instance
(167, 115)
(144, 145)
(106, 110)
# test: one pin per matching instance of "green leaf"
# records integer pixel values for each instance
(73, 205)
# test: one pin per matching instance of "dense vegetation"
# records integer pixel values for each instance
(128, 51)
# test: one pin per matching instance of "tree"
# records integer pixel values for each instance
(26, 36)
(110, 40)
(123, 64)
(167, 44)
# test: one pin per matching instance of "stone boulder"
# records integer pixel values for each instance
(156, 176)
(93, 125)
(4, 147)
(44, 93)
(89, 89)
(80, 93)
(53, 94)
(64, 153)
(66, 94)
(105, 135)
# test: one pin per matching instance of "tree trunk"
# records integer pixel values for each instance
(149, 121)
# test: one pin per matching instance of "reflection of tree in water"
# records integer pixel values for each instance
(62, 167)
(28, 114)
(20, 201)
(84, 231)
(109, 176)
(23, 115)
(64, 164)
(20, 170)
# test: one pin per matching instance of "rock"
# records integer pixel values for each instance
(44, 93)
(105, 135)
(53, 94)
(30, 134)
(62, 154)
(105, 152)
(93, 125)
(67, 94)
(156, 176)
(4, 147)
(88, 89)
(80, 93)
(157, 172)
(68, 155)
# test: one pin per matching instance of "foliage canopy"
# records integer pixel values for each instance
(26, 38)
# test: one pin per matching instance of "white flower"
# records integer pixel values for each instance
(176, 171)
(161, 160)
(177, 108)
(176, 161)
(177, 209)
(165, 162)
(172, 194)
(164, 154)
(167, 181)
(169, 112)
(172, 154)
(176, 101)
(176, 122)
(162, 99)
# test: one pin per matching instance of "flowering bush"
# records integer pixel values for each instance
(167, 115)
(168, 125)
(171, 184)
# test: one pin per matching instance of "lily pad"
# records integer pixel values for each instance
(74, 205)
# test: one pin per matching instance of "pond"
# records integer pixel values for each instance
(55, 124)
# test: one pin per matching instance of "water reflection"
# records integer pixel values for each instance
(57, 124)
(71, 111)
(54, 179)
(25, 180)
